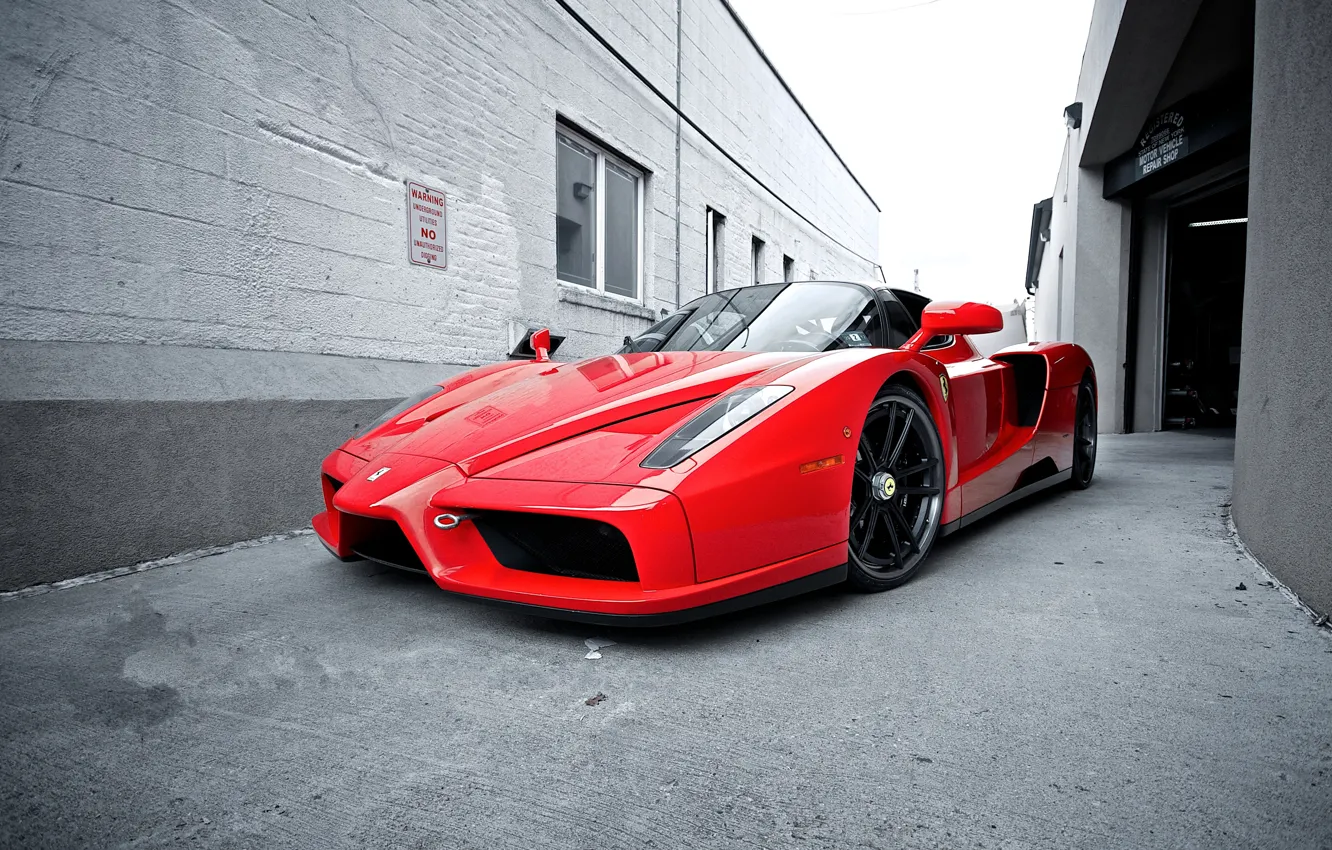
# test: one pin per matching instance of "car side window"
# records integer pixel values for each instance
(910, 305)
(867, 323)
(900, 325)
(652, 338)
(706, 327)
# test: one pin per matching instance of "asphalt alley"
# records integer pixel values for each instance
(1079, 671)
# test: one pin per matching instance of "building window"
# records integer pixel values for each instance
(756, 260)
(598, 217)
(714, 250)
(788, 268)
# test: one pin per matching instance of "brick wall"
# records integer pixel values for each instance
(230, 174)
(203, 250)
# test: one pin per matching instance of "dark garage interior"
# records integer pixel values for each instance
(1204, 309)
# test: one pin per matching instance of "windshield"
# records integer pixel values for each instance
(810, 317)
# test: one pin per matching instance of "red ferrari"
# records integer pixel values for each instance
(755, 444)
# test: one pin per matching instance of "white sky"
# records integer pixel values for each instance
(949, 111)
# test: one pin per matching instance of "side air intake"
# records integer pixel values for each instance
(557, 545)
(382, 540)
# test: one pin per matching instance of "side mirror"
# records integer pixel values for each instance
(954, 318)
(541, 345)
(526, 349)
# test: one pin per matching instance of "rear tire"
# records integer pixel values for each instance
(1084, 438)
(896, 492)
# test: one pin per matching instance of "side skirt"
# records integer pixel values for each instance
(1005, 501)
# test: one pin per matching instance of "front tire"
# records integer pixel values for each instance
(896, 492)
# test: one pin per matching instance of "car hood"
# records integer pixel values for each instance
(542, 406)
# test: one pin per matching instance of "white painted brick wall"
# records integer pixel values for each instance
(229, 174)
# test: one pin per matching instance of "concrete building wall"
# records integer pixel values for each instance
(1047, 322)
(181, 182)
(1081, 295)
(1283, 459)
(730, 90)
(1100, 266)
(1130, 50)
(1283, 455)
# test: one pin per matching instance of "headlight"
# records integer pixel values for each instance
(402, 407)
(722, 416)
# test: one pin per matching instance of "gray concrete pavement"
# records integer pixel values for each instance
(1076, 672)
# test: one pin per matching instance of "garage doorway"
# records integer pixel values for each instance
(1204, 309)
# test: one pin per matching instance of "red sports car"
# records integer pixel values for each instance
(755, 444)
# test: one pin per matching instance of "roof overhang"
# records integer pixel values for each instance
(1149, 38)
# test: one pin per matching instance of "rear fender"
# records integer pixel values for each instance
(1067, 361)
(1066, 366)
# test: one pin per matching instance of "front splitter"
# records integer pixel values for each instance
(795, 587)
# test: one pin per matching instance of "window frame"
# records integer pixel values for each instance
(714, 250)
(879, 339)
(604, 155)
(756, 249)
(689, 312)
(934, 343)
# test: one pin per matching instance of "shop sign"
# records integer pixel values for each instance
(1198, 123)
(1164, 141)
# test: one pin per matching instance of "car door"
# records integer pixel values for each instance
(992, 451)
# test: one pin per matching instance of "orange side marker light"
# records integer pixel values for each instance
(816, 465)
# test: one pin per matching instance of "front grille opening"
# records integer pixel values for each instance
(557, 545)
(382, 541)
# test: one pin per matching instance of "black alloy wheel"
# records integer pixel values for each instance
(1084, 437)
(897, 492)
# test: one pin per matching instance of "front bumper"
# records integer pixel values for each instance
(459, 560)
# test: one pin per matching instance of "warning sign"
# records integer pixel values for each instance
(427, 235)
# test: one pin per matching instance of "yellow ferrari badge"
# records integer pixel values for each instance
(943, 385)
